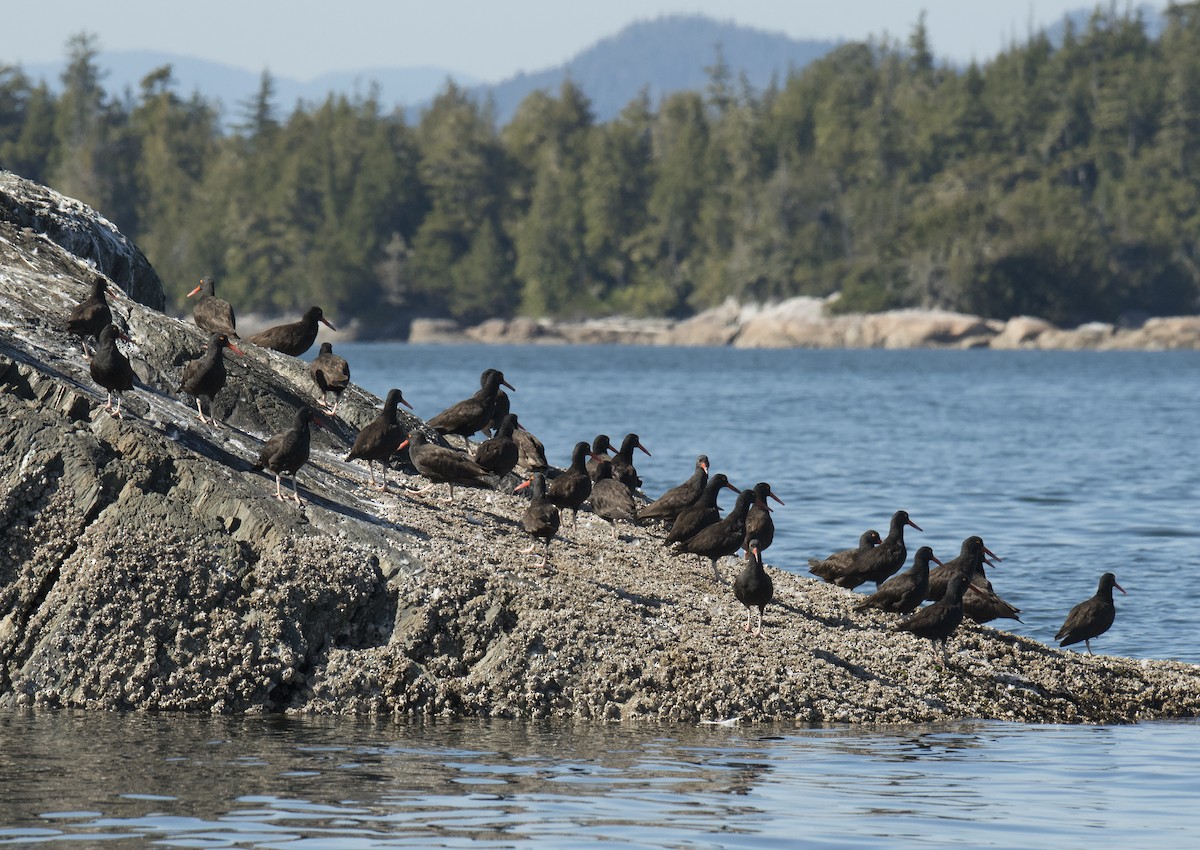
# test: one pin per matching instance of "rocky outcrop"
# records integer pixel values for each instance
(145, 565)
(807, 323)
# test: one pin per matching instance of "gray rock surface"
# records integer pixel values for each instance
(144, 565)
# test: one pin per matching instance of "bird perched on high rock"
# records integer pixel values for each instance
(381, 438)
(110, 368)
(331, 374)
(91, 315)
(293, 338)
(287, 451)
(210, 312)
(205, 376)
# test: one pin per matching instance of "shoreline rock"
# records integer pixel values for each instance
(805, 323)
(144, 565)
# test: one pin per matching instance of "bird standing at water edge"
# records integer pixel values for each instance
(331, 374)
(286, 452)
(211, 313)
(294, 338)
(205, 376)
(1092, 617)
(110, 368)
(622, 463)
(753, 587)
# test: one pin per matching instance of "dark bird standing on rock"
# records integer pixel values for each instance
(753, 587)
(286, 452)
(601, 446)
(205, 376)
(969, 559)
(110, 368)
(759, 525)
(531, 454)
(985, 605)
(903, 593)
(611, 500)
(499, 454)
(872, 564)
(331, 374)
(669, 504)
(541, 518)
(294, 338)
(1092, 617)
(723, 537)
(501, 408)
(845, 561)
(472, 415)
(381, 438)
(622, 463)
(211, 313)
(572, 488)
(442, 465)
(701, 513)
(938, 621)
(92, 315)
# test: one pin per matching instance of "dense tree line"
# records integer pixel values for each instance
(1055, 180)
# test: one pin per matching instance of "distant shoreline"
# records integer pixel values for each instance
(803, 323)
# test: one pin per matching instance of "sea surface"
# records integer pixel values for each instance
(1068, 464)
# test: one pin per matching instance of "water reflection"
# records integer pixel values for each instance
(303, 782)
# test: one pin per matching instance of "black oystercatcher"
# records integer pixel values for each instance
(701, 513)
(903, 593)
(211, 313)
(294, 338)
(723, 537)
(204, 377)
(969, 559)
(622, 463)
(110, 368)
(847, 561)
(331, 374)
(938, 621)
(91, 316)
(669, 504)
(611, 499)
(500, 408)
(531, 454)
(1092, 617)
(471, 415)
(381, 438)
(541, 518)
(571, 489)
(891, 554)
(759, 525)
(753, 587)
(601, 446)
(442, 465)
(985, 605)
(285, 453)
(499, 454)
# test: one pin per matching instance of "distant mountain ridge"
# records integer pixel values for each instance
(663, 55)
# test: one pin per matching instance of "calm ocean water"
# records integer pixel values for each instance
(1068, 464)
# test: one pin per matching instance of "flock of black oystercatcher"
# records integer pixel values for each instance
(958, 588)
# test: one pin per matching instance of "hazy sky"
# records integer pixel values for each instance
(487, 39)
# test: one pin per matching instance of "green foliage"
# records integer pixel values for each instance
(1060, 181)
